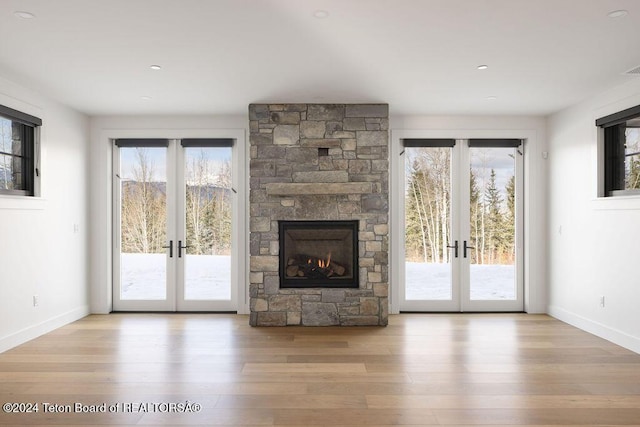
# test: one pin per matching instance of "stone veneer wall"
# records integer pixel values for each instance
(319, 162)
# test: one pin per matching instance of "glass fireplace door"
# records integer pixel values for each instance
(318, 254)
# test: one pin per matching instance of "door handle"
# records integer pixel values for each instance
(455, 249)
(464, 249)
(180, 248)
(170, 248)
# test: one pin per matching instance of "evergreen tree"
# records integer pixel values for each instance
(415, 230)
(509, 226)
(494, 239)
(208, 205)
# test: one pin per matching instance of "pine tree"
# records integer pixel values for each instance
(494, 233)
(417, 230)
(509, 226)
(208, 203)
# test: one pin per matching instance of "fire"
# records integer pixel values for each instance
(324, 264)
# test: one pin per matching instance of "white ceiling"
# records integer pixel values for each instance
(218, 56)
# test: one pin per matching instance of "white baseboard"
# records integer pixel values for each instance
(42, 328)
(610, 334)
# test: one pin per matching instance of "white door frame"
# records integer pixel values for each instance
(397, 213)
(239, 258)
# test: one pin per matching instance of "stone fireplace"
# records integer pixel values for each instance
(322, 166)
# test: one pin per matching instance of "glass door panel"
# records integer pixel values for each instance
(143, 223)
(493, 228)
(429, 252)
(492, 214)
(144, 273)
(207, 256)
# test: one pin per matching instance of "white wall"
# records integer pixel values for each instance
(533, 129)
(593, 243)
(40, 252)
(105, 128)
(103, 131)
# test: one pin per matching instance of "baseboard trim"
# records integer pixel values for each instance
(34, 331)
(598, 329)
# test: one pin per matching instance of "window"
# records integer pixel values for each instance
(621, 152)
(18, 135)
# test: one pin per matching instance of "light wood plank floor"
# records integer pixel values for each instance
(454, 370)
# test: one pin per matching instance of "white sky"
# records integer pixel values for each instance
(158, 158)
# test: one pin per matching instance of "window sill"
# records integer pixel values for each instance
(22, 202)
(630, 202)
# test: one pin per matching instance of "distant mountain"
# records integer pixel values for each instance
(206, 191)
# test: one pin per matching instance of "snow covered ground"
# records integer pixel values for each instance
(433, 282)
(209, 278)
(144, 277)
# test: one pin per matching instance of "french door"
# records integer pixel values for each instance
(173, 210)
(463, 225)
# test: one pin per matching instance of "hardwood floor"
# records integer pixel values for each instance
(454, 370)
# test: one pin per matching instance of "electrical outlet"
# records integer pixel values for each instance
(602, 301)
(35, 300)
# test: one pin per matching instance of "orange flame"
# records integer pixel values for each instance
(324, 264)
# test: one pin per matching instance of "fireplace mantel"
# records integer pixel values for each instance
(319, 162)
(291, 189)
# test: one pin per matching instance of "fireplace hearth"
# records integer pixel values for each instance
(322, 254)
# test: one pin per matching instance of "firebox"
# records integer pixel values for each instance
(318, 254)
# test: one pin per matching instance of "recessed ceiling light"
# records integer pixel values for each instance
(617, 13)
(24, 15)
(145, 98)
(156, 67)
(320, 14)
(492, 98)
(482, 67)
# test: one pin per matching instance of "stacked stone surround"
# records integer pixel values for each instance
(319, 162)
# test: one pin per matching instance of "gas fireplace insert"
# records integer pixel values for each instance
(318, 254)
